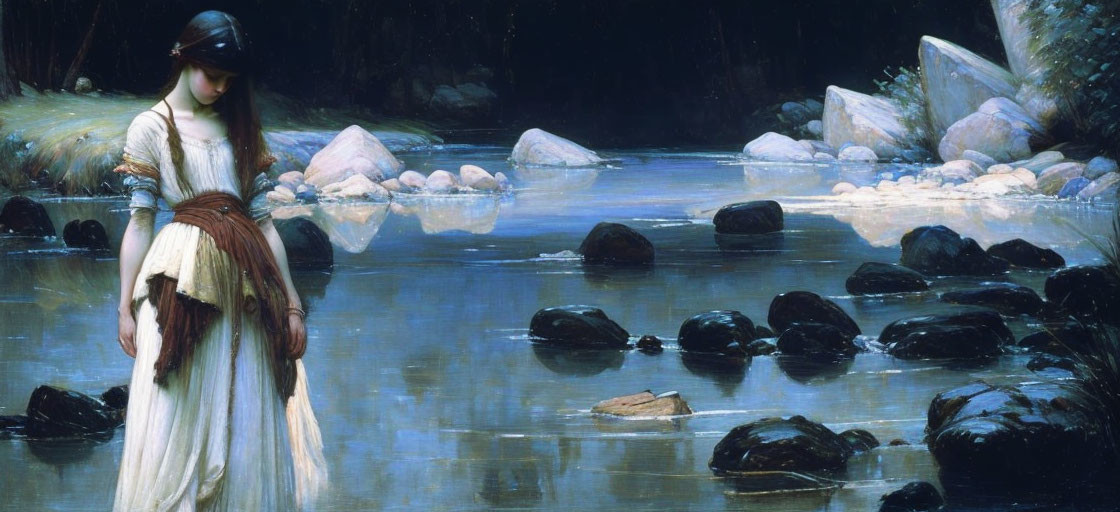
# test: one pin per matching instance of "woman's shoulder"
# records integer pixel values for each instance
(148, 121)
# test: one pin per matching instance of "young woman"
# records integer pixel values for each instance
(218, 416)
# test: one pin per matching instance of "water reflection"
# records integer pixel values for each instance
(62, 453)
(807, 370)
(727, 372)
(578, 362)
(555, 179)
(654, 471)
(747, 244)
(351, 226)
(473, 213)
(776, 179)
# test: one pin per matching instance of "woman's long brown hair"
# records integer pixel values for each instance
(214, 40)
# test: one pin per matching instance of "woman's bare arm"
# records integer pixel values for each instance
(134, 246)
(298, 342)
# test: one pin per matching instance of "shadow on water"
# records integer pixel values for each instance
(61, 453)
(311, 285)
(750, 244)
(808, 370)
(727, 372)
(963, 493)
(605, 276)
(779, 490)
(578, 362)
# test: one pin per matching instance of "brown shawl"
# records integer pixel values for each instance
(183, 320)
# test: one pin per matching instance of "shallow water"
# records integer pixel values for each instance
(430, 395)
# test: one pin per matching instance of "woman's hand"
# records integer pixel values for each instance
(126, 332)
(297, 336)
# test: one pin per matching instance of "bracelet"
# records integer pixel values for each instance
(302, 314)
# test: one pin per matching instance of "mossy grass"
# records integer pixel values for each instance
(904, 89)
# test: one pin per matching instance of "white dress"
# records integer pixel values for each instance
(217, 436)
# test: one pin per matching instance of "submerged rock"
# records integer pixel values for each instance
(1088, 292)
(938, 250)
(87, 234)
(724, 331)
(863, 120)
(1039, 436)
(616, 244)
(1022, 253)
(538, 147)
(577, 326)
(808, 307)
(874, 277)
(116, 397)
(308, 247)
(957, 81)
(25, 217)
(650, 344)
(644, 404)
(750, 218)
(1009, 299)
(913, 497)
(1060, 339)
(967, 335)
(776, 444)
(352, 151)
(860, 440)
(816, 340)
(55, 412)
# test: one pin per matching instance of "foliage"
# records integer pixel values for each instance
(1080, 44)
(904, 89)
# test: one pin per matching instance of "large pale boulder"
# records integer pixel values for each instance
(1016, 35)
(538, 147)
(1001, 130)
(775, 147)
(852, 117)
(1040, 105)
(353, 151)
(957, 81)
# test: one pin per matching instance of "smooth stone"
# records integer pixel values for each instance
(292, 179)
(1061, 339)
(650, 344)
(775, 147)
(863, 120)
(776, 444)
(1099, 166)
(1017, 35)
(992, 135)
(794, 113)
(860, 440)
(644, 404)
(352, 151)
(87, 234)
(1022, 253)
(25, 217)
(1073, 187)
(954, 171)
(807, 307)
(472, 175)
(857, 154)
(843, 188)
(441, 182)
(1041, 436)
(823, 157)
(116, 397)
(392, 185)
(971, 334)
(503, 181)
(1045, 361)
(1000, 169)
(412, 180)
(538, 147)
(957, 81)
(1088, 292)
(355, 187)
(281, 195)
(1053, 178)
(1008, 299)
(750, 218)
(912, 497)
(616, 244)
(724, 331)
(1105, 186)
(981, 159)
(577, 326)
(761, 346)
(939, 251)
(54, 412)
(818, 146)
(308, 247)
(1041, 161)
(815, 127)
(816, 340)
(1038, 103)
(872, 277)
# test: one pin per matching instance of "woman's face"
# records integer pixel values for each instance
(208, 84)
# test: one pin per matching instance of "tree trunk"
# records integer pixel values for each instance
(76, 66)
(9, 85)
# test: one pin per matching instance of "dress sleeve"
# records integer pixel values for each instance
(140, 164)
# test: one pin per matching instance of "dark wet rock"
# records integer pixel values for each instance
(860, 440)
(116, 397)
(1009, 299)
(56, 412)
(1022, 253)
(1039, 436)
(805, 307)
(87, 234)
(913, 497)
(776, 444)
(940, 251)
(308, 247)
(1059, 339)
(644, 404)
(760, 347)
(22, 216)
(763, 332)
(582, 362)
(874, 277)
(750, 218)
(816, 340)
(307, 197)
(898, 442)
(616, 244)
(725, 332)
(969, 334)
(811, 370)
(1088, 292)
(12, 426)
(577, 326)
(650, 344)
(1044, 361)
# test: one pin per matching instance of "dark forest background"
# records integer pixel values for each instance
(606, 73)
